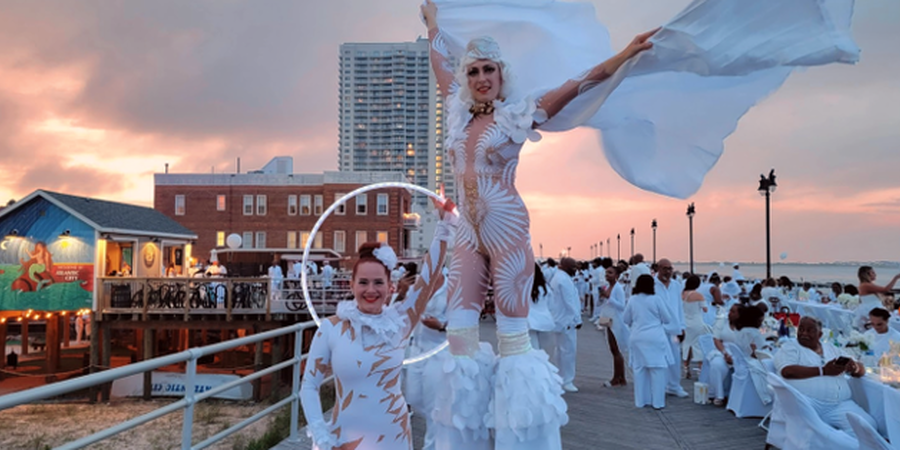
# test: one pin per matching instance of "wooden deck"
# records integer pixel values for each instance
(606, 418)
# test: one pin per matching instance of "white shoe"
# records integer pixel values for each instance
(680, 393)
(569, 387)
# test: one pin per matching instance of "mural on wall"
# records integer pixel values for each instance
(46, 259)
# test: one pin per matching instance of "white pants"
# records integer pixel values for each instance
(543, 340)
(564, 356)
(835, 414)
(597, 302)
(719, 377)
(673, 379)
(650, 387)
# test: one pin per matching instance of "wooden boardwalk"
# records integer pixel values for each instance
(606, 418)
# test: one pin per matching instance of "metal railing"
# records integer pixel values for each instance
(190, 357)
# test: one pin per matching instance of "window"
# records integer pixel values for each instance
(220, 203)
(248, 205)
(304, 205)
(382, 205)
(247, 240)
(382, 236)
(292, 205)
(340, 238)
(260, 239)
(362, 201)
(220, 238)
(179, 205)
(317, 241)
(260, 205)
(361, 238)
(304, 238)
(291, 239)
(318, 205)
(342, 208)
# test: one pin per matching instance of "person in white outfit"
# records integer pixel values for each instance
(327, 275)
(870, 295)
(648, 317)
(617, 333)
(694, 326)
(566, 310)
(540, 320)
(669, 291)
(882, 334)
(598, 284)
(736, 273)
(638, 268)
(720, 361)
(818, 371)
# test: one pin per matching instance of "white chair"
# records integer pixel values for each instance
(777, 431)
(869, 439)
(743, 400)
(804, 430)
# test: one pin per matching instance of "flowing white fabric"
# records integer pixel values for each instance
(665, 113)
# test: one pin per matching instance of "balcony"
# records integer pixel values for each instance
(411, 221)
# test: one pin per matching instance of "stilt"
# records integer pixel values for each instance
(106, 357)
(51, 354)
(148, 354)
(24, 337)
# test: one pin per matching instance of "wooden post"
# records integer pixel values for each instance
(2, 344)
(51, 338)
(106, 357)
(66, 322)
(203, 337)
(187, 302)
(276, 358)
(24, 336)
(146, 295)
(148, 354)
(95, 354)
(257, 366)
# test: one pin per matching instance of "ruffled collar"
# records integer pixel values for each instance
(386, 326)
(516, 118)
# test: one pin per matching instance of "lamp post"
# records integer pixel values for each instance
(601, 248)
(653, 226)
(618, 247)
(766, 188)
(632, 243)
(690, 213)
(569, 252)
(608, 249)
(541, 246)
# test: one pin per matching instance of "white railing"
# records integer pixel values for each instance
(189, 356)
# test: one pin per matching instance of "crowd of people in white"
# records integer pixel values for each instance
(666, 326)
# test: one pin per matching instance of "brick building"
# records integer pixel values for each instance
(276, 209)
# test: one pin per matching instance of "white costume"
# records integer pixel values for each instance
(671, 297)
(566, 310)
(540, 321)
(648, 316)
(830, 396)
(881, 343)
(613, 309)
(365, 352)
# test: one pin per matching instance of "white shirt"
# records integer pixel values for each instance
(637, 270)
(565, 307)
(825, 388)
(671, 297)
(297, 270)
(275, 273)
(539, 316)
(881, 343)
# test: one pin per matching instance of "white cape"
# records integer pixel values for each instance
(664, 115)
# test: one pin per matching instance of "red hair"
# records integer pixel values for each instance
(367, 254)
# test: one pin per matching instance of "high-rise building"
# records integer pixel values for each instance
(392, 118)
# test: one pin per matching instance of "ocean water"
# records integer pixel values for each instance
(844, 273)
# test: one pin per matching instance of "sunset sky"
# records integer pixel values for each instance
(97, 96)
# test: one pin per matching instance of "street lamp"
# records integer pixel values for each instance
(690, 213)
(608, 249)
(653, 226)
(541, 246)
(618, 247)
(766, 189)
(569, 252)
(632, 243)
(601, 249)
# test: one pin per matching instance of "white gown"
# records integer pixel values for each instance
(694, 327)
(721, 57)
(613, 308)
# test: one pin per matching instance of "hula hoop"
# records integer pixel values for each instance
(303, 277)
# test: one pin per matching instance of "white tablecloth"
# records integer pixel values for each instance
(834, 317)
(873, 396)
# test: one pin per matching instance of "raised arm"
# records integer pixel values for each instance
(872, 288)
(431, 277)
(440, 63)
(318, 366)
(555, 100)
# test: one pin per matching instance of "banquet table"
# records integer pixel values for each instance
(882, 402)
(834, 317)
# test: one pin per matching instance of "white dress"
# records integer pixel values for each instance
(612, 309)
(694, 327)
(648, 347)
(365, 353)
